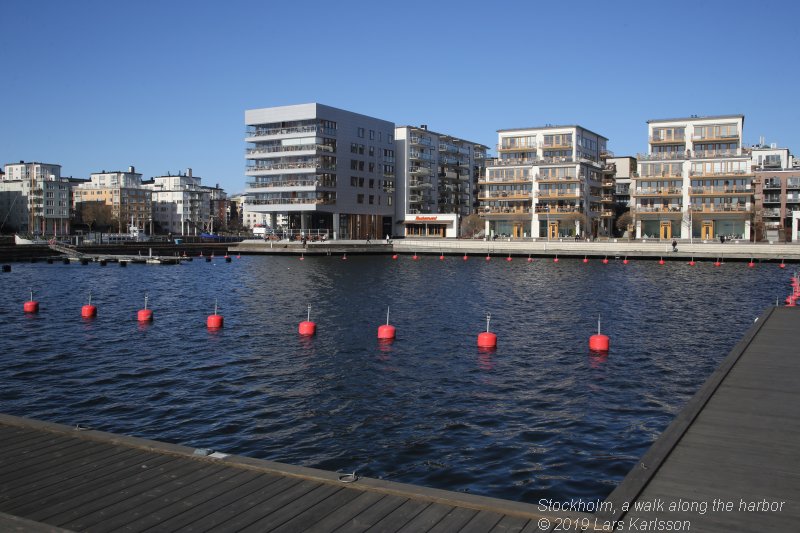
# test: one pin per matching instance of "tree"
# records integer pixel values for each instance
(471, 225)
(624, 221)
(95, 214)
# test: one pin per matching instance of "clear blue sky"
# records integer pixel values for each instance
(163, 85)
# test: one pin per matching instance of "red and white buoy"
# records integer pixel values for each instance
(386, 332)
(487, 339)
(214, 321)
(717, 263)
(661, 261)
(585, 259)
(89, 310)
(31, 306)
(145, 315)
(488, 257)
(782, 265)
(344, 257)
(441, 257)
(599, 342)
(238, 256)
(555, 259)
(530, 259)
(415, 257)
(302, 256)
(394, 256)
(508, 258)
(465, 257)
(625, 261)
(307, 328)
(751, 264)
(605, 260)
(692, 263)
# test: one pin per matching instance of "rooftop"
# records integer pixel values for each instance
(552, 127)
(695, 117)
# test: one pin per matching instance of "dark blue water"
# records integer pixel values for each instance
(539, 417)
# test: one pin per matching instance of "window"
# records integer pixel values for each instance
(360, 198)
(372, 151)
(371, 199)
(372, 135)
(360, 165)
(353, 181)
(353, 164)
(353, 148)
(390, 138)
(361, 149)
(372, 167)
(361, 182)
(371, 183)
(360, 133)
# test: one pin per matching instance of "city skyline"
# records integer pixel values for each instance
(94, 86)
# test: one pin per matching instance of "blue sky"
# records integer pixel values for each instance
(163, 85)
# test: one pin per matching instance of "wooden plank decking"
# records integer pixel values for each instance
(735, 444)
(53, 476)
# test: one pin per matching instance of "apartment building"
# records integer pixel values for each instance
(622, 168)
(36, 199)
(547, 182)
(436, 183)
(328, 171)
(180, 204)
(777, 192)
(122, 191)
(695, 180)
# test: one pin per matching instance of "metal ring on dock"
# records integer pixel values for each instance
(348, 478)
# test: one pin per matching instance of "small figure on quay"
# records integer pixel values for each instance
(722, 239)
(304, 240)
(368, 241)
(674, 245)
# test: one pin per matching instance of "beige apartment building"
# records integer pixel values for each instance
(122, 191)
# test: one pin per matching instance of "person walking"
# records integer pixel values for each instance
(368, 241)
(674, 245)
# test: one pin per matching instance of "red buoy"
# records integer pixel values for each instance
(555, 259)
(599, 342)
(344, 257)
(605, 260)
(214, 321)
(530, 259)
(661, 261)
(302, 257)
(508, 258)
(386, 332)
(394, 256)
(625, 261)
(782, 265)
(487, 339)
(415, 257)
(89, 310)
(465, 257)
(488, 258)
(307, 328)
(441, 257)
(145, 315)
(717, 263)
(585, 259)
(691, 263)
(238, 256)
(751, 264)
(31, 306)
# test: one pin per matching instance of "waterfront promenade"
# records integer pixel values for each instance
(540, 248)
(727, 462)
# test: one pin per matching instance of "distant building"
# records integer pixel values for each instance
(624, 168)
(546, 182)
(36, 199)
(217, 207)
(777, 192)
(329, 171)
(122, 191)
(180, 204)
(437, 181)
(695, 181)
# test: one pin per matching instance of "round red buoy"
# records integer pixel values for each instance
(508, 258)
(782, 265)
(530, 259)
(414, 257)
(214, 321)
(717, 263)
(599, 343)
(751, 264)
(344, 257)
(88, 311)
(441, 257)
(487, 339)
(394, 256)
(302, 257)
(307, 327)
(605, 260)
(488, 258)
(144, 315)
(465, 257)
(238, 257)
(386, 332)
(661, 261)
(691, 263)
(625, 261)
(31, 306)
(555, 259)
(585, 259)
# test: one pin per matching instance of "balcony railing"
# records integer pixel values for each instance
(771, 212)
(717, 154)
(292, 201)
(542, 177)
(423, 156)
(659, 209)
(606, 213)
(714, 137)
(290, 183)
(263, 132)
(504, 180)
(419, 171)
(516, 148)
(289, 166)
(719, 190)
(607, 199)
(658, 176)
(722, 208)
(555, 210)
(505, 195)
(609, 183)
(545, 194)
(662, 156)
(668, 139)
(650, 191)
(701, 173)
(426, 141)
(487, 210)
(292, 148)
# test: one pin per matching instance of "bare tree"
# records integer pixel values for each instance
(471, 225)
(95, 214)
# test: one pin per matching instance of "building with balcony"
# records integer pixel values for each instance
(36, 199)
(180, 204)
(436, 181)
(546, 182)
(328, 171)
(695, 181)
(777, 192)
(122, 191)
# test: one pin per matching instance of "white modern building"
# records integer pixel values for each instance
(328, 171)
(547, 182)
(36, 199)
(437, 181)
(695, 181)
(180, 204)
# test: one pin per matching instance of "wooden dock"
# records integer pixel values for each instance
(729, 462)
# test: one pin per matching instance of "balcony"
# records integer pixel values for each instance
(267, 150)
(486, 180)
(706, 191)
(517, 148)
(607, 199)
(607, 213)
(668, 139)
(421, 141)
(609, 184)
(718, 154)
(505, 195)
(293, 201)
(736, 173)
(272, 132)
(649, 191)
(557, 210)
(416, 155)
(505, 212)
(722, 208)
(715, 137)
(446, 147)
(771, 213)
(419, 171)
(555, 195)
(659, 209)
(662, 156)
(555, 179)
(418, 184)
(772, 185)
(557, 146)
(308, 166)
(290, 183)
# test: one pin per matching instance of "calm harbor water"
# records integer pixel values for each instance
(538, 417)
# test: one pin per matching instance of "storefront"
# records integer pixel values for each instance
(440, 226)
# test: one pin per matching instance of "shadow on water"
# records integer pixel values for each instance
(538, 416)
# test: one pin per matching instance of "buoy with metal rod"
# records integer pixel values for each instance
(394, 256)
(585, 259)
(751, 264)
(661, 261)
(441, 257)
(692, 263)
(31, 306)
(214, 321)
(415, 257)
(717, 263)
(302, 256)
(488, 257)
(465, 257)
(386, 332)
(599, 342)
(783, 264)
(487, 339)
(605, 260)
(89, 310)
(344, 256)
(625, 261)
(555, 259)
(530, 259)
(307, 327)
(508, 258)
(145, 315)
